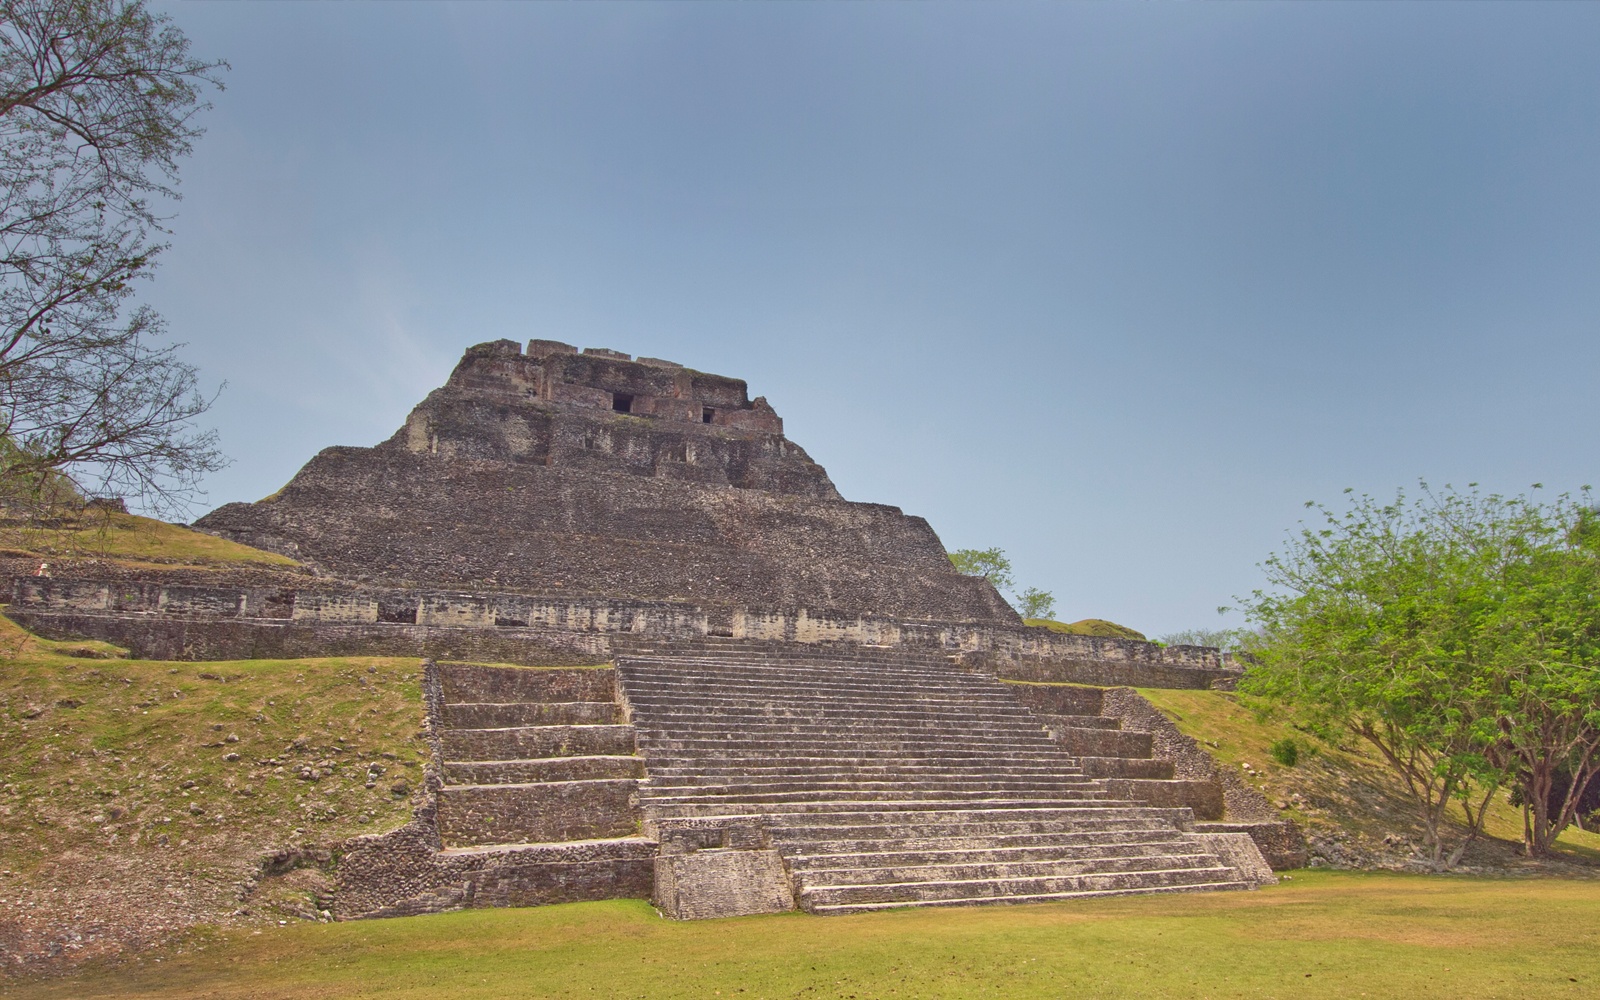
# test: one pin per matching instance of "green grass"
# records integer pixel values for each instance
(130, 540)
(114, 754)
(1320, 935)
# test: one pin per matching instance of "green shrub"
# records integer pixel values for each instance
(1286, 752)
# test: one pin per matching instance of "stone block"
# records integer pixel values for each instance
(1239, 852)
(714, 883)
(544, 348)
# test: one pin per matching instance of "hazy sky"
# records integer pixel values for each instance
(1113, 287)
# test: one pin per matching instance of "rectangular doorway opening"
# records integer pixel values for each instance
(622, 402)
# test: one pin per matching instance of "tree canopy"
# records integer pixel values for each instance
(98, 102)
(1456, 632)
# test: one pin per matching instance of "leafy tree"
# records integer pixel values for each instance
(1456, 633)
(98, 100)
(992, 565)
(1035, 603)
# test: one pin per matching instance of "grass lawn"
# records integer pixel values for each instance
(1323, 934)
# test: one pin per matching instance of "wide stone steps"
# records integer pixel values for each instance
(883, 784)
(818, 743)
(1105, 844)
(928, 874)
(804, 801)
(1123, 887)
(688, 710)
(1077, 840)
(888, 729)
(659, 787)
(833, 770)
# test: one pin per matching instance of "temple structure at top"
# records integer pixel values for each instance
(559, 472)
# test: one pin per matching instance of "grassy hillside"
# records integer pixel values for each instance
(1087, 626)
(1321, 935)
(1352, 807)
(139, 796)
(129, 540)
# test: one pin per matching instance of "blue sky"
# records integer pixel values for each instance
(1113, 287)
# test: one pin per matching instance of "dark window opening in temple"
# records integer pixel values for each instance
(622, 403)
(706, 414)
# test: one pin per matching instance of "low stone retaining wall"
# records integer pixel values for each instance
(168, 621)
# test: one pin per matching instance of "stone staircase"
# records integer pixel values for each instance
(892, 777)
(534, 757)
(1075, 718)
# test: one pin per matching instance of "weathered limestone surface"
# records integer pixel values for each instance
(593, 475)
(721, 883)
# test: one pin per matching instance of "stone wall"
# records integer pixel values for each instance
(188, 621)
(156, 621)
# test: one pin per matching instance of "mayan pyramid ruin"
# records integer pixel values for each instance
(665, 659)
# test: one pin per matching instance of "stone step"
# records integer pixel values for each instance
(1012, 889)
(502, 715)
(1060, 699)
(1053, 897)
(655, 786)
(823, 816)
(932, 680)
(1126, 767)
(822, 670)
(882, 812)
(821, 743)
(833, 770)
(1079, 722)
(1204, 797)
(1110, 833)
(527, 742)
(1132, 843)
(716, 727)
(513, 772)
(541, 812)
(1105, 742)
(803, 692)
(689, 708)
(473, 682)
(662, 804)
(1096, 864)
(850, 757)
(815, 829)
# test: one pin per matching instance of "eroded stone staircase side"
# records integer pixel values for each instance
(1121, 737)
(533, 799)
(887, 777)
